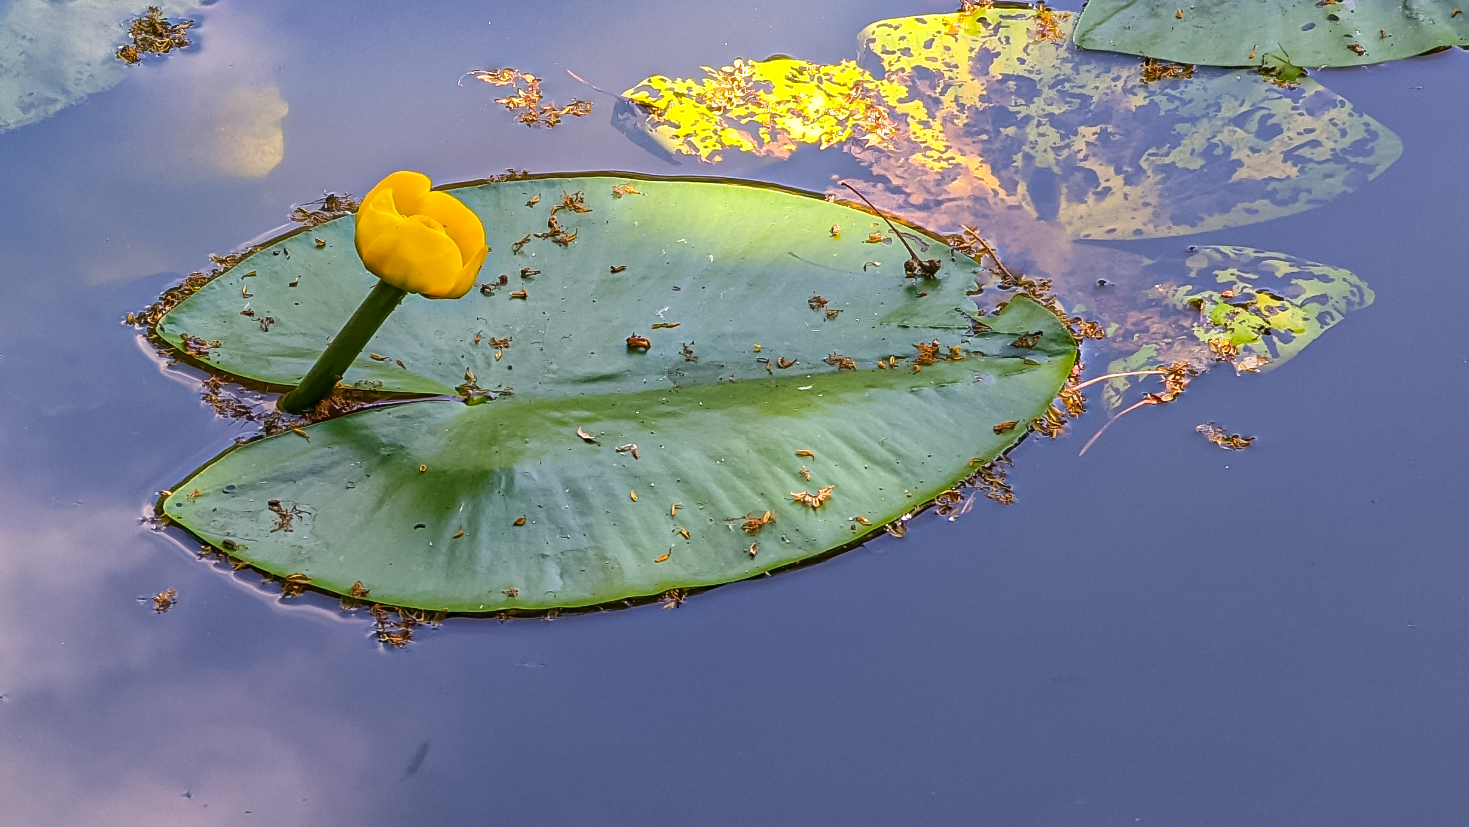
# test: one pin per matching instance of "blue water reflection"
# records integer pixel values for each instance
(1158, 632)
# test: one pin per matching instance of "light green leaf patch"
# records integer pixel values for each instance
(1258, 308)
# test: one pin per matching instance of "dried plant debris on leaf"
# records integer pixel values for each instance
(149, 316)
(526, 99)
(154, 34)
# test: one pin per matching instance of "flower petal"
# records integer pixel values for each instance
(408, 188)
(417, 256)
(467, 276)
(377, 215)
(460, 221)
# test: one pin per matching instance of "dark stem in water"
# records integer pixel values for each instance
(353, 337)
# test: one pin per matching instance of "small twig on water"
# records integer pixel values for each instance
(1150, 399)
(1094, 380)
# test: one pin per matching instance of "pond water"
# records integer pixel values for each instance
(1158, 632)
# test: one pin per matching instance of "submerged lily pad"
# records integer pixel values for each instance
(1000, 121)
(978, 117)
(1254, 308)
(1240, 32)
(768, 313)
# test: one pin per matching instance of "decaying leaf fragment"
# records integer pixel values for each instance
(329, 206)
(1217, 435)
(164, 600)
(527, 98)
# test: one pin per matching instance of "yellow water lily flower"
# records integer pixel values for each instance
(419, 240)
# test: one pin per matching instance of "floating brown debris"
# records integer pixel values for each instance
(1048, 26)
(195, 346)
(329, 206)
(928, 353)
(355, 596)
(1217, 435)
(164, 600)
(990, 480)
(1050, 423)
(816, 302)
(619, 190)
(1155, 70)
(295, 585)
(285, 518)
(673, 598)
(153, 34)
(636, 342)
(527, 98)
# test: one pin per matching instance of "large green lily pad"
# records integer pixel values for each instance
(382, 496)
(1243, 32)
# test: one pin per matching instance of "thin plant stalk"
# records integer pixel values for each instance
(884, 217)
(1098, 434)
(1095, 379)
(323, 377)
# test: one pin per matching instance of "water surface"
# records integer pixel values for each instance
(1157, 632)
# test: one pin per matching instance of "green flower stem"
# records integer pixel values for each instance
(348, 344)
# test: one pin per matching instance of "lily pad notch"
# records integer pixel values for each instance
(759, 428)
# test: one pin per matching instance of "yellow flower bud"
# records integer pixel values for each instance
(419, 240)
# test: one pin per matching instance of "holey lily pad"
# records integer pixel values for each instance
(1002, 121)
(613, 472)
(1242, 32)
(1254, 308)
(992, 117)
